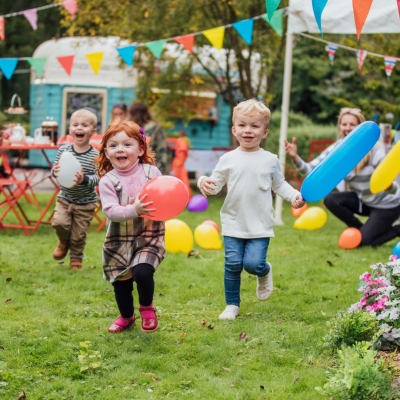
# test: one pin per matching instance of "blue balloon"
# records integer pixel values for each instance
(347, 154)
(396, 249)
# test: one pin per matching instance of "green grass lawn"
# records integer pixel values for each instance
(47, 310)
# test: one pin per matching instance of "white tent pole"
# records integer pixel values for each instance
(287, 81)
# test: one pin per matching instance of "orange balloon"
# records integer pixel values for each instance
(350, 238)
(212, 223)
(296, 212)
(169, 196)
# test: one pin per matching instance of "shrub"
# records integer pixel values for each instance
(350, 328)
(358, 376)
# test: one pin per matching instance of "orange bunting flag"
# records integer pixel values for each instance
(186, 41)
(2, 30)
(95, 60)
(361, 9)
(66, 62)
(215, 36)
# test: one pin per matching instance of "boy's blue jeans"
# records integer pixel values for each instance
(249, 254)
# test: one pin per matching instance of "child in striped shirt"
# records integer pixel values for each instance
(75, 206)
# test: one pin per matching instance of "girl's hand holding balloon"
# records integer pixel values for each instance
(141, 206)
(78, 178)
(207, 186)
(299, 202)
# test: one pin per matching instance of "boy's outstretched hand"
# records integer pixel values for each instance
(207, 186)
(299, 202)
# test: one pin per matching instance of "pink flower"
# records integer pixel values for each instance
(393, 257)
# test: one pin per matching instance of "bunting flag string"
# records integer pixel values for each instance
(331, 48)
(360, 54)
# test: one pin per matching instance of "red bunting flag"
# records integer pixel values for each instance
(2, 30)
(398, 5)
(66, 62)
(186, 41)
(361, 54)
(361, 9)
(71, 6)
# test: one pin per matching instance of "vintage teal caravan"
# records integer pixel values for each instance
(56, 94)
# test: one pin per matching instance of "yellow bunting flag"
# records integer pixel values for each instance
(215, 36)
(95, 60)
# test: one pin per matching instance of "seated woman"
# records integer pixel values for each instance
(382, 208)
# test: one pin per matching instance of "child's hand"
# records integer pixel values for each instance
(56, 169)
(207, 186)
(291, 149)
(78, 178)
(299, 202)
(141, 206)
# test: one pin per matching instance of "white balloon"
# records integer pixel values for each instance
(69, 166)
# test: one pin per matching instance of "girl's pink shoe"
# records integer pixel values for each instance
(149, 318)
(121, 323)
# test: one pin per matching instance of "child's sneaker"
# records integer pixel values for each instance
(265, 285)
(149, 318)
(231, 312)
(61, 250)
(121, 323)
(75, 263)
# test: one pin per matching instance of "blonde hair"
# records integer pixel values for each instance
(352, 111)
(85, 112)
(252, 106)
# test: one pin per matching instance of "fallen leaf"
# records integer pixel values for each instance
(154, 379)
(284, 253)
(7, 301)
(243, 336)
(9, 279)
(1, 347)
(33, 284)
(278, 321)
(226, 369)
(323, 313)
(203, 322)
(210, 326)
(61, 263)
(92, 267)
(262, 387)
(148, 374)
(330, 263)
(21, 396)
(194, 253)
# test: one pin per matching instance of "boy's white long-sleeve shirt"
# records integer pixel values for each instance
(247, 211)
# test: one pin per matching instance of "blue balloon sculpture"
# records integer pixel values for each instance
(347, 154)
(396, 249)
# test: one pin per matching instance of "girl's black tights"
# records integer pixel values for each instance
(143, 276)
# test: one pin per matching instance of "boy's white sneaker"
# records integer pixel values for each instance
(265, 285)
(231, 312)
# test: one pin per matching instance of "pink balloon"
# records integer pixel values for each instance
(212, 223)
(169, 196)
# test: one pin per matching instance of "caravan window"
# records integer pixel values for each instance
(93, 99)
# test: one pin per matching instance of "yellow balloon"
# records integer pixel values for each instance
(178, 237)
(312, 218)
(206, 236)
(386, 171)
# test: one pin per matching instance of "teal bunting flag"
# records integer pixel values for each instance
(127, 53)
(318, 7)
(276, 21)
(271, 5)
(37, 64)
(156, 47)
(7, 66)
(245, 29)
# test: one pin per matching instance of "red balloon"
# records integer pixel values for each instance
(212, 223)
(350, 238)
(169, 196)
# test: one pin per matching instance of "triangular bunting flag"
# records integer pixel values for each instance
(318, 7)
(7, 66)
(361, 54)
(95, 60)
(331, 49)
(398, 6)
(66, 62)
(271, 6)
(390, 62)
(276, 22)
(127, 53)
(156, 47)
(31, 16)
(245, 29)
(71, 6)
(215, 36)
(186, 41)
(2, 29)
(38, 64)
(361, 9)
